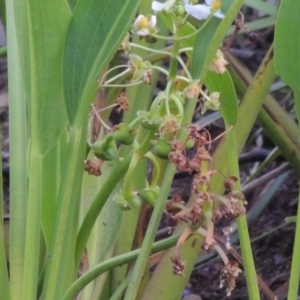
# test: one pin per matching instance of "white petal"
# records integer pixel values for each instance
(169, 4)
(158, 6)
(209, 2)
(219, 14)
(143, 32)
(152, 21)
(199, 11)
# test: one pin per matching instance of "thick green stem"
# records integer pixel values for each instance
(157, 213)
(111, 263)
(249, 267)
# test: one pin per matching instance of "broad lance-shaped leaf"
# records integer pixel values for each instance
(94, 35)
(229, 105)
(41, 29)
(287, 47)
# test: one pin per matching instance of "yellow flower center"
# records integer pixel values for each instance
(143, 22)
(216, 4)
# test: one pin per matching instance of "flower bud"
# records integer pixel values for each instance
(105, 149)
(162, 149)
(179, 10)
(123, 134)
(190, 143)
(127, 203)
(133, 201)
(212, 103)
(151, 123)
(149, 195)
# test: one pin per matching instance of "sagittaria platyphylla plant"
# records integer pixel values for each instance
(167, 137)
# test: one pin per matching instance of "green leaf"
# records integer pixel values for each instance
(229, 105)
(38, 22)
(94, 35)
(209, 39)
(106, 229)
(18, 155)
(53, 163)
(262, 6)
(287, 47)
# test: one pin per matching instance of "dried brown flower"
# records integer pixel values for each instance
(229, 182)
(93, 167)
(178, 266)
(228, 275)
(122, 101)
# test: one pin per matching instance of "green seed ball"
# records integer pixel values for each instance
(162, 149)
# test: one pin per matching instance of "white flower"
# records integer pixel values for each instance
(158, 6)
(201, 11)
(144, 25)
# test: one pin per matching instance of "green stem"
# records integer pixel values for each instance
(123, 85)
(156, 169)
(97, 205)
(186, 70)
(117, 76)
(178, 104)
(127, 185)
(151, 50)
(121, 288)
(167, 95)
(111, 263)
(157, 213)
(295, 269)
(249, 267)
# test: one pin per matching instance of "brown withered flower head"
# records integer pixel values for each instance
(200, 137)
(172, 204)
(178, 266)
(122, 101)
(233, 209)
(93, 167)
(180, 161)
(229, 182)
(169, 125)
(195, 216)
(228, 275)
(208, 248)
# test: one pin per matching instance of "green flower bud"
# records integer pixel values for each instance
(152, 123)
(120, 200)
(105, 149)
(123, 135)
(162, 149)
(179, 10)
(127, 203)
(149, 195)
(133, 201)
(190, 143)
